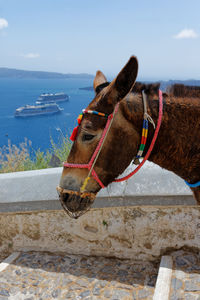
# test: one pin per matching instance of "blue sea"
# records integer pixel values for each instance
(15, 93)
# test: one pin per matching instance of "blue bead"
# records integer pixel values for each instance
(193, 184)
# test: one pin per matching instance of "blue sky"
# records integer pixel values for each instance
(74, 36)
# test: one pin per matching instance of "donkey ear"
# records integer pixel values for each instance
(124, 81)
(99, 79)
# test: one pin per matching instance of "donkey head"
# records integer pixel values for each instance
(116, 153)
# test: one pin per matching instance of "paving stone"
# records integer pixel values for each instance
(180, 261)
(191, 286)
(195, 277)
(137, 275)
(176, 283)
(176, 296)
(18, 272)
(107, 293)
(192, 297)
(82, 283)
(96, 291)
(56, 293)
(185, 282)
(40, 275)
(108, 270)
(119, 294)
(144, 294)
(84, 294)
(70, 295)
(134, 297)
(4, 293)
(102, 283)
(74, 287)
(195, 268)
(122, 273)
(179, 274)
(151, 280)
(191, 258)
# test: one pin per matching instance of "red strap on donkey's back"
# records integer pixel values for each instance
(152, 142)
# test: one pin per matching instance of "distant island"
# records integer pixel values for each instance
(163, 84)
(192, 82)
(87, 88)
(15, 73)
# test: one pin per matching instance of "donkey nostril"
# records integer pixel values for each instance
(70, 201)
(73, 203)
(64, 197)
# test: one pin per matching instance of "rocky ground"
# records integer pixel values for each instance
(42, 275)
(39, 275)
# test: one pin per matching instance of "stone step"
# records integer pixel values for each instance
(42, 275)
(179, 276)
(185, 283)
(163, 283)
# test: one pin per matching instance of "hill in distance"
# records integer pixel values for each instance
(15, 73)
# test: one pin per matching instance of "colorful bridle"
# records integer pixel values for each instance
(91, 164)
(110, 118)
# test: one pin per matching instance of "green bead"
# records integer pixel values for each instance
(142, 147)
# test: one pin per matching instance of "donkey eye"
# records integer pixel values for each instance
(87, 137)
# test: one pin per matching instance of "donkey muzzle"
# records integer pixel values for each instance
(75, 203)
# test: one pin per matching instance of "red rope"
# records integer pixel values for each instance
(152, 142)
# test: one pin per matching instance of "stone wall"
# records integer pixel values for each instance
(125, 232)
(156, 213)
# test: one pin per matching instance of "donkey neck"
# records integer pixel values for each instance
(177, 147)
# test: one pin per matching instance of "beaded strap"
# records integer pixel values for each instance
(79, 119)
(87, 111)
(143, 139)
(147, 119)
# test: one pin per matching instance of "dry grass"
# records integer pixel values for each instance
(23, 157)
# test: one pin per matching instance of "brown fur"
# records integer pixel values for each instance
(178, 144)
(180, 90)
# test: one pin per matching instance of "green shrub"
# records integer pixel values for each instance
(23, 157)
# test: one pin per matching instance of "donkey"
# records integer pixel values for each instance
(176, 149)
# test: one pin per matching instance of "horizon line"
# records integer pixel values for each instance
(143, 78)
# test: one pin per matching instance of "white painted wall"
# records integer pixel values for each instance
(41, 184)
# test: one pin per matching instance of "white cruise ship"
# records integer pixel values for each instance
(35, 110)
(58, 97)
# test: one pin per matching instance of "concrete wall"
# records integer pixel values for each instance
(139, 224)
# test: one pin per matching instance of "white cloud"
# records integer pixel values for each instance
(186, 34)
(3, 23)
(31, 55)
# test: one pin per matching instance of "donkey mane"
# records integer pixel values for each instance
(181, 90)
(148, 88)
(176, 90)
